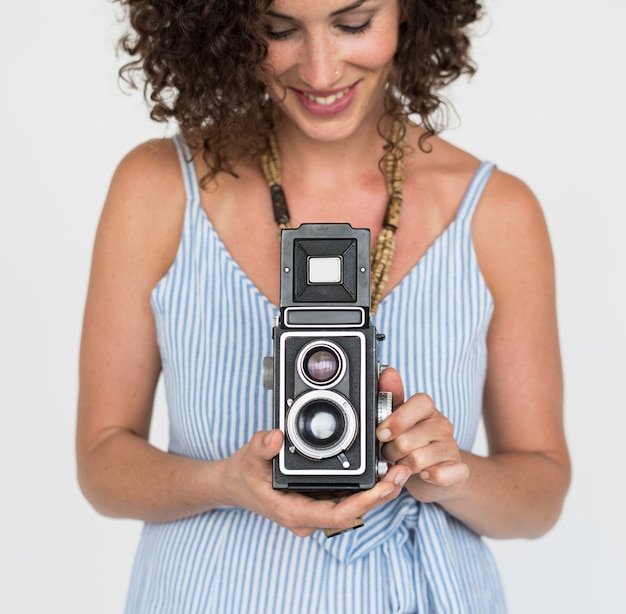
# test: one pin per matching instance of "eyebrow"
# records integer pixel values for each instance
(341, 11)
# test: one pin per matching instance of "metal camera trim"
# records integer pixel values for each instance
(290, 313)
(337, 400)
(322, 344)
(361, 416)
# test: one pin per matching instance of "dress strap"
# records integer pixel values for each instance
(475, 190)
(187, 168)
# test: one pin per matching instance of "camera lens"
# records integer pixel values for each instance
(321, 424)
(321, 364)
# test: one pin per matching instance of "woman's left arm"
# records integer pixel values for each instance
(519, 488)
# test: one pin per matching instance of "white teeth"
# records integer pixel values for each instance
(327, 100)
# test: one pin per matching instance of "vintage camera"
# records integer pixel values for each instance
(324, 369)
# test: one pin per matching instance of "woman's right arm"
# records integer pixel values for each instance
(119, 471)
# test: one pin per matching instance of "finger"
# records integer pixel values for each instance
(419, 458)
(357, 505)
(418, 408)
(391, 381)
(431, 441)
(266, 444)
(397, 475)
(446, 474)
(300, 513)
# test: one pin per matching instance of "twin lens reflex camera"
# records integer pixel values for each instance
(324, 369)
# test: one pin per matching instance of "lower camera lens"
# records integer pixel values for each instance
(321, 424)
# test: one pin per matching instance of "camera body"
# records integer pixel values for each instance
(324, 369)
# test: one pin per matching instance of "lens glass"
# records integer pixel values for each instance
(321, 424)
(321, 365)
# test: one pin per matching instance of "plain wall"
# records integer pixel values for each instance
(546, 105)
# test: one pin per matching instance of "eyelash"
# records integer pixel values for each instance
(285, 34)
(357, 29)
(278, 36)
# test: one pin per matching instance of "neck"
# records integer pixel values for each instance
(307, 158)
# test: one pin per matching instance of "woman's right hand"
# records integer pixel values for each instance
(247, 483)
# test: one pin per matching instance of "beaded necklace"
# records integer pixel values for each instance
(382, 254)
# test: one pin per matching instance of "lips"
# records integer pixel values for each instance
(326, 100)
(327, 103)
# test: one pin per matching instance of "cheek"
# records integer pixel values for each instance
(379, 53)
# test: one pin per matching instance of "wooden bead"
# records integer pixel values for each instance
(279, 204)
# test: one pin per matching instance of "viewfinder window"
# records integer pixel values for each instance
(325, 270)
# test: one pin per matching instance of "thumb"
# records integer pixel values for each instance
(391, 381)
(266, 444)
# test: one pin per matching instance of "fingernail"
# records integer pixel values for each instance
(386, 491)
(384, 434)
(425, 475)
(268, 438)
(401, 478)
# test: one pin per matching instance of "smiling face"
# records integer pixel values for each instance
(328, 62)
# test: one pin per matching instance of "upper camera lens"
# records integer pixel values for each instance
(321, 364)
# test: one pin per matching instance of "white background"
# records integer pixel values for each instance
(547, 105)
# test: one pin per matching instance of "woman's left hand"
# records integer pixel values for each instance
(420, 437)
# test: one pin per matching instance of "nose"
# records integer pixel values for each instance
(318, 62)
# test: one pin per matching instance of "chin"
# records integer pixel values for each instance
(332, 129)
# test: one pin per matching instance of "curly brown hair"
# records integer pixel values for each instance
(199, 63)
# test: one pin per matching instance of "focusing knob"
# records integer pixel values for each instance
(382, 466)
(385, 406)
(268, 372)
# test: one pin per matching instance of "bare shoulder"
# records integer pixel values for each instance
(506, 196)
(144, 209)
(149, 175)
(509, 229)
(506, 199)
(445, 164)
(435, 182)
(510, 234)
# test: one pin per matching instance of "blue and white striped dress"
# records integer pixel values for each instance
(213, 330)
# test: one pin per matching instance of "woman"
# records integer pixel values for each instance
(185, 281)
